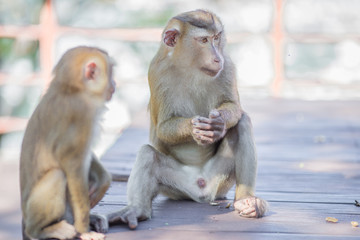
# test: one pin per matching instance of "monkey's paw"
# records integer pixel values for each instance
(92, 236)
(251, 207)
(99, 223)
(60, 230)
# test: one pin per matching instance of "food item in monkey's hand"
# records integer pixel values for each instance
(354, 224)
(331, 219)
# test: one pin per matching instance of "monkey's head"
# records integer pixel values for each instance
(196, 40)
(85, 70)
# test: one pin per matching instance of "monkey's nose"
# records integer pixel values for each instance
(217, 60)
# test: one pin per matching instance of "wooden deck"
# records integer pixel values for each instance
(309, 169)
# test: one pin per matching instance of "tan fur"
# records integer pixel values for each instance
(202, 141)
(57, 168)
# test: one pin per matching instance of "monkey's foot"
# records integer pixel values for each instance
(251, 207)
(92, 236)
(60, 230)
(129, 215)
(99, 223)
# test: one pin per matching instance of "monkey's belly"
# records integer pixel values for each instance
(192, 154)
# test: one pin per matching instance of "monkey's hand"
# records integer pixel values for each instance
(251, 207)
(208, 130)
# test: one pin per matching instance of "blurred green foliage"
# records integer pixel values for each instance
(111, 14)
(13, 50)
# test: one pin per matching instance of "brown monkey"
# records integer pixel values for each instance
(60, 178)
(202, 141)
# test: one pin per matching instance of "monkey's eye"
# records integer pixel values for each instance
(204, 40)
(217, 37)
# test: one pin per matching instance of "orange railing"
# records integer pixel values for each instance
(49, 30)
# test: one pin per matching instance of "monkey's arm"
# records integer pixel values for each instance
(175, 130)
(231, 112)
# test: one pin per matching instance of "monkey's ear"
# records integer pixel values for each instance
(90, 70)
(170, 37)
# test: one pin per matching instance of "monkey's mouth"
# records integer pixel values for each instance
(108, 97)
(211, 72)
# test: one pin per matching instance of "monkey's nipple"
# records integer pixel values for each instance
(201, 183)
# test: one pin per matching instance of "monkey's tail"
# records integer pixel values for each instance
(24, 235)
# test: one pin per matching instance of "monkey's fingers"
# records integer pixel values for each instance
(249, 213)
(195, 119)
(131, 219)
(203, 120)
(125, 215)
(214, 113)
(252, 207)
(92, 236)
(205, 134)
(202, 126)
(204, 139)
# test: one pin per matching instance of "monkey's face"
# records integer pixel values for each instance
(194, 41)
(208, 54)
(111, 84)
(110, 90)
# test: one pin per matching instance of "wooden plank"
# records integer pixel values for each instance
(117, 195)
(120, 158)
(165, 234)
(290, 213)
(187, 216)
(308, 170)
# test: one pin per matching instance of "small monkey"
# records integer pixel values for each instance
(202, 141)
(60, 178)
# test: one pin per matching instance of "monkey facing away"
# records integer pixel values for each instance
(60, 178)
(202, 142)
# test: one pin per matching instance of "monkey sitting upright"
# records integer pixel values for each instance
(202, 142)
(60, 178)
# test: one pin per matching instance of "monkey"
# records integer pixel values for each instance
(201, 139)
(60, 177)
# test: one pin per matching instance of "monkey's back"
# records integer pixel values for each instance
(60, 128)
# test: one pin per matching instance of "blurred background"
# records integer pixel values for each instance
(292, 49)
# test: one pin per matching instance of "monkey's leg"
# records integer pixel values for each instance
(235, 162)
(245, 172)
(99, 183)
(46, 207)
(153, 172)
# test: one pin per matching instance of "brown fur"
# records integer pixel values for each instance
(57, 168)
